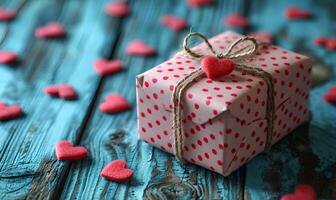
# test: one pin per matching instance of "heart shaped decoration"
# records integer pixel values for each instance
(9, 112)
(199, 3)
(66, 151)
(6, 15)
(174, 23)
(215, 68)
(297, 13)
(7, 57)
(117, 171)
(235, 20)
(107, 67)
(51, 30)
(302, 192)
(117, 9)
(114, 103)
(139, 48)
(62, 91)
(331, 44)
(330, 95)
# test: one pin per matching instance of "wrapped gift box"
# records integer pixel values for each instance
(224, 119)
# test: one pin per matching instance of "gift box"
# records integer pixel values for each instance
(224, 119)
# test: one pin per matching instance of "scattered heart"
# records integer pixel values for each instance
(10, 112)
(114, 103)
(62, 91)
(199, 3)
(107, 67)
(66, 151)
(6, 15)
(117, 9)
(326, 42)
(262, 36)
(139, 48)
(302, 192)
(7, 57)
(174, 23)
(51, 30)
(215, 68)
(235, 20)
(117, 171)
(330, 95)
(293, 13)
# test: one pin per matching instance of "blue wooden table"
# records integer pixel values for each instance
(28, 166)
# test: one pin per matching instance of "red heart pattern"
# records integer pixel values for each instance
(114, 103)
(330, 95)
(9, 112)
(6, 15)
(117, 171)
(216, 68)
(107, 67)
(63, 91)
(199, 3)
(302, 192)
(326, 42)
(51, 30)
(174, 23)
(7, 57)
(117, 9)
(66, 151)
(235, 20)
(139, 48)
(293, 13)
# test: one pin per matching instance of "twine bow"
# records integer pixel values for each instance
(230, 53)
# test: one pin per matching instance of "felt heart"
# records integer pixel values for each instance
(10, 112)
(330, 95)
(262, 36)
(114, 103)
(63, 91)
(51, 30)
(66, 151)
(117, 9)
(117, 171)
(215, 68)
(297, 13)
(174, 23)
(6, 15)
(302, 192)
(331, 44)
(139, 48)
(107, 67)
(199, 3)
(7, 57)
(236, 20)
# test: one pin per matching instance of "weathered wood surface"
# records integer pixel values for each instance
(28, 168)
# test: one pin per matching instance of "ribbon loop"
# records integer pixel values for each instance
(192, 53)
(234, 52)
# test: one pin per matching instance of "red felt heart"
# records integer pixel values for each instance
(199, 3)
(117, 9)
(330, 95)
(262, 36)
(6, 15)
(66, 151)
(7, 57)
(114, 103)
(331, 44)
(297, 13)
(107, 67)
(321, 41)
(174, 23)
(139, 48)
(302, 192)
(236, 20)
(63, 91)
(117, 171)
(215, 68)
(51, 30)
(10, 112)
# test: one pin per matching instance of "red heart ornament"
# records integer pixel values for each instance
(7, 57)
(107, 67)
(297, 13)
(118, 9)
(63, 91)
(66, 151)
(236, 20)
(51, 30)
(302, 192)
(262, 36)
(117, 171)
(331, 44)
(330, 95)
(114, 103)
(215, 68)
(174, 23)
(139, 48)
(6, 15)
(10, 112)
(199, 3)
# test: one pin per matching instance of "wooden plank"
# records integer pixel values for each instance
(308, 154)
(157, 174)
(28, 167)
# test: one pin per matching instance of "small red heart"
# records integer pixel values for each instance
(114, 103)
(236, 20)
(107, 67)
(174, 23)
(51, 30)
(117, 171)
(62, 91)
(7, 57)
(6, 15)
(10, 112)
(66, 151)
(262, 36)
(330, 95)
(117, 9)
(302, 192)
(331, 44)
(297, 13)
(215, 68)
(199, 3)
(321, 41)
(139, 48)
